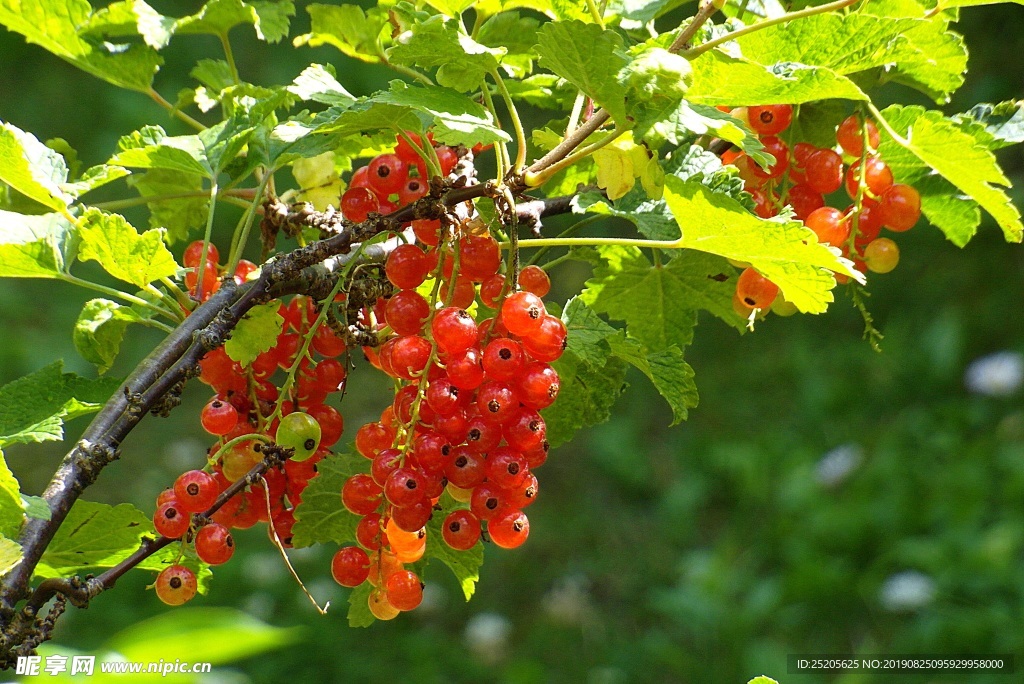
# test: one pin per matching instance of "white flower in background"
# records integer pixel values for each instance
(487, 635)
(906, 591)
(996, 375)
(568, 601)
(836, 465)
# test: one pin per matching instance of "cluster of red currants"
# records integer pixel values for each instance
(387, 183)
(465, 415)
(802, 178)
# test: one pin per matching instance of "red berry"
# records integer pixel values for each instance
(506, 468)
(331, 423)
(548, 342)
(899, 207)
(194, 252)
(764, 202)
(404, 590)
(479, 257)
(525, 430)
(503, 358)
(448, 159)
(482, 435)
(829, 225)
(170, 520)
(496, 401)
(869, 222)
(369, 533)
(175, 585)
(218, 417)
(407, 152)
(409, 356)
(522, 313)
(461, 530)
(509, 528)
(454, 330)
(407, 267)
(778, 149)
(538, 385)
(755, 291)
(359, 202)
(535, 280)
(196, 491)
(360, 494)
(802, 151)
(350, 566)
(404, 487)
(770, 119)
(412, 517)
(464, 293)
(804, 200)
(360, 178)
(487, 500)
(427, 231)
(413, 189)
(850, 135)
(214, 544)
(491, 289)
(387, 174)
(824, 171)
(465, 369)
(877, 178)
(372, 438)
(466, 469)
(406, 312)
(385, 463)
(326, 343)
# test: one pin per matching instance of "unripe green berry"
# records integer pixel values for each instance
(301, 432)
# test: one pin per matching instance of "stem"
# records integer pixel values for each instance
(113, 292)
(206, 243)
(501, 156)
(704, 12)
(595, 13)
(886, 125)
(570, 143)
(230, 56)
(565, 233)
(159, 99)
(574, 116)
(284, 554)
(517, 124)
(599, 241)
(746, 30)
(240, 238)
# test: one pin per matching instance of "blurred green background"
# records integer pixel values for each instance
(822, 499)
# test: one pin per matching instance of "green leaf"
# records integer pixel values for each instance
(151, 148)
(679, 122)
(131, 18)
(95, 177)
(517, 35)
(588, 333)
(666, 369)
(1003, 121)
(10, 555)
(642, 11)
(762, 680)
(922, 52)
(452, 8)
(719, 79)
(34, 408)
(590, 58)
(32, 168)
(256, 333)
(585, 397)
(95, 535)
(55, 25)
(36, 507)
(355, 32)
(12, 506)
(359, 614)
(33, 246)
(457, 118)
(438, 42)
(941, 144)
(179, 216)
(317, 83)
(785, 252)
(321, 517)
(212, 635)
(217, 17)
(99, 330)
(122, 251)
(465, 565)
(623, 280)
